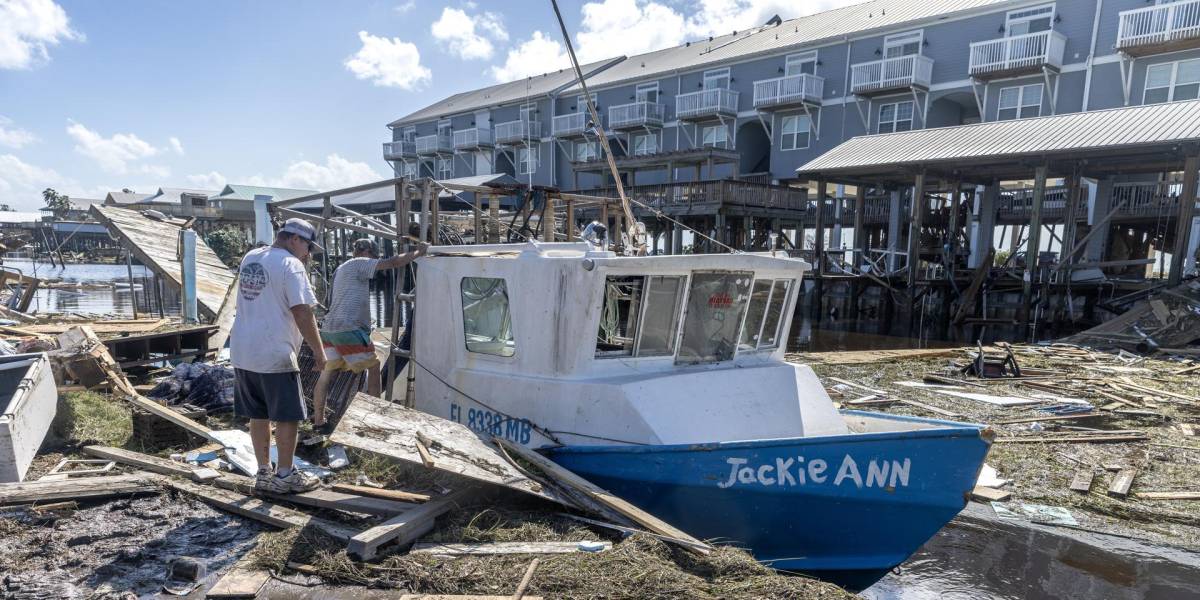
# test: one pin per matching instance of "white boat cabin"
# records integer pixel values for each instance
(560, 343)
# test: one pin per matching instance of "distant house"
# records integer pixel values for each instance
(78, 211)
(236, 203)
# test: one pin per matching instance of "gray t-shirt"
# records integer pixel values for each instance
(350, 306)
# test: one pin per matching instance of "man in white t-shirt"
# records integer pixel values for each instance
(346, 329)
(274, 313)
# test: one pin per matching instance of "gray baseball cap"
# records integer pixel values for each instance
(305, 230)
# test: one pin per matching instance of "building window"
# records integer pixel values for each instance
(528, 112)
(895, 117)
(409, 170)
(647, 92)
(1019, 102)
(445, 169)
(443, 128)
(902, 44)
(1028, 20)
(585, 151)
(646, 143)
(487, 323)
(796, 64)
(581, 103)
(794, 132)
(716, 79)
(410, 134)
(1169, 82)
(716, 136)
(527, 160)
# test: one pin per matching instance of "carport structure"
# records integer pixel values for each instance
(1146, 146)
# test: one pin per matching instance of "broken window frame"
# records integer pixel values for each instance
(504, 336)
(767, 313)
(644, 298)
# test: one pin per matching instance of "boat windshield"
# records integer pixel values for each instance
(487, 324)
(715, 307)
(641, 315)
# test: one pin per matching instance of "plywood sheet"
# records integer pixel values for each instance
(155, 243)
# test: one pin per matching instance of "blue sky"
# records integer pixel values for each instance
(96, 96)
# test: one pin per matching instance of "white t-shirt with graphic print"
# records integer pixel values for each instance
(264, 337)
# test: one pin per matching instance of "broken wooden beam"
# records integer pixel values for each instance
(1082, 481)
(328, 499)
(495, 548)
(239, 582)
(78, 489)
(407, 527)
(1121, 483)
(1194, 495)
(362, 490)
(259, 510)
(603, 497)
(152, 463)
(1074, 437)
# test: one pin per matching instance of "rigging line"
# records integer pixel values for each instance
(464, 201)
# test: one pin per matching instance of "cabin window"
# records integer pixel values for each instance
(715, 307)
(618, 321)
(487, 323)
(765, 314)
(660, 318)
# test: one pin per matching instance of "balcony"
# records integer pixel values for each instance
(399, 150)
(570, 125)
(636, 115)
(889, 74)
(1017, 55)
(706, 103)
(433, 144)
(794, 90)
(1160, 28)
(1151, 200)
(518, 132)
(473, 139)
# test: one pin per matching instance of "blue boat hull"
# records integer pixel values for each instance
(844, 508)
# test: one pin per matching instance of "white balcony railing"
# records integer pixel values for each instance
(399, 150)
(705, 103)
(516, 132)
(891, 73)
(1159, 24)
(570, 124)
(636, 114)
(470, 139)
(1019, 52)
(433, 144)
(793, 89)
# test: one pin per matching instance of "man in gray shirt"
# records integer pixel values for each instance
(346, 330)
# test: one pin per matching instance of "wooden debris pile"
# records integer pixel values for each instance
(1167, 320)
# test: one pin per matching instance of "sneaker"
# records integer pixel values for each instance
(263, 477)
(296, 481)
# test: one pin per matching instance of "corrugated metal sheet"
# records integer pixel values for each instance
(1043, 136)
(236, 191)
(529, 88)
(792, 34)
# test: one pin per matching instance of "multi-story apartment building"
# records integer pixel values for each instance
(759, 103)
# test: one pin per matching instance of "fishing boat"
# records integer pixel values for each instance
(663, 380)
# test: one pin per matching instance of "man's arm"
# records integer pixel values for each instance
(400, 260)
(306, 321)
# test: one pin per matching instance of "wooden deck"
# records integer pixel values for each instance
(155, 244)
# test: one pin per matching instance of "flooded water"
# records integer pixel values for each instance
(84, 300)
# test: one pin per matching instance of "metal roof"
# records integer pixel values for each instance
(126, 197)
(1152, 128)
(795, 34)
(234, 191)
(12, 217)
(386, 196)
(528, 88)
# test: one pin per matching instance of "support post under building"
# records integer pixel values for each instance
(1032, 246)
(914, 236)
(1183, 229)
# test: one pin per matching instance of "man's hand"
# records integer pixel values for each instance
(318, 359)
(422, 248)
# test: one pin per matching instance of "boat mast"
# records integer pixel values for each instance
(635, 237)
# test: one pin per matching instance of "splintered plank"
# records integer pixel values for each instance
(605, 498)
(380, 427)
(930, 408)
(1167, 495)
(239, 582)
(152, 463)
(462, 597)
(494, 548)
(329, 499)
(155, 243)
(77, 489)
(854, 357)
(987, 494)
(408, 526)
(259, 510)
(362, 490)
(1082, 482)
(1122, 482)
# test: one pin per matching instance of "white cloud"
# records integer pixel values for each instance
(155, 171)
(534, 56)
(389, 62)
(406, 6)
(211, 180)
(113, 154)
(615, 27)
(22, 183)
(456, 31)
(720, 17)
(27, 28)
(14, 137)
(176, 145)
(337, 172)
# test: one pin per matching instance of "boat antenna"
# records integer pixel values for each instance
(636, 238)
